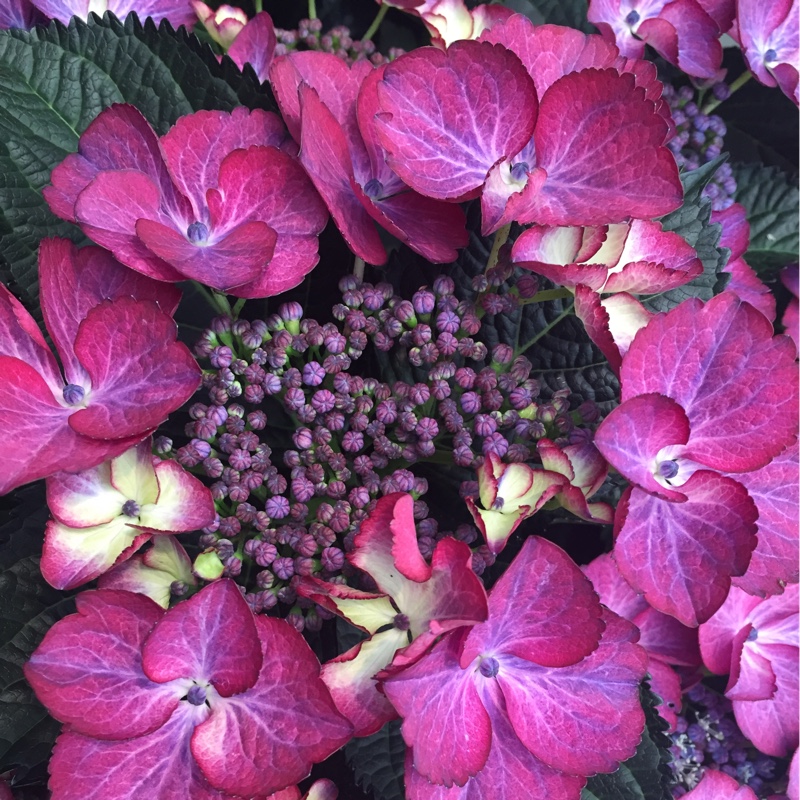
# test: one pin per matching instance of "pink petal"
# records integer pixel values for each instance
(666, 684)
(237, 257)
(752, 676)
(601, 111)
(444, 720)
(552, 619)
(424, 92)
(255, 45)
(720, 363)
(550, 51)
(719, 786)
(73, 281)
(634, 433)
(51, 445)
(269, 736)
(107, 211)
(682, 555)
(157, 765)
(667, 639)
(510, 770)
(325, 155)
(184, 503)
(373, 159)
(86, 498)
(582, 718)
(718, 633)
(793, 790)
(590, 310)
(74, 556)
(735, 229)
(139, 373)
(197, 144)
(748, 287)
(210, 637)
(88, 669)
(774, 491)
(612, 588)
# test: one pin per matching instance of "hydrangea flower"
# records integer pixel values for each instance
(173, 703)
(329, 109)
(417, 603)
(161, 572)
(756, 641)
(668, 643)
(215, 199)
(223, 23)
(706, 390)
(123, 370)
(102, 516)
(541, 694)
(487, 119)
(684, 32)
(178, 12)
(768, 34)
(791, 317)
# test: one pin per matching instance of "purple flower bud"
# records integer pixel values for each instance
(444, 286)
(283, 568)
(323, 400)
(277, 507)
(518, 453)
(470, 402)
(213, 467)
(495, 443)
(423, 301)
(463, 457)
(448, 322)
(303, 439)
(305, 566)
(162, 445)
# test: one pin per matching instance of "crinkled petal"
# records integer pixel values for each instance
(717, 785)
(184, 503)
(84, 499)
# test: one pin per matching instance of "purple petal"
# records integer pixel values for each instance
(424, 93)
(269, 736)
(20, 14)
(583, 718)
(719, 786)
(542, 609)
(139, 373)
(255, 45)
(682, 555)
(721, 364)
(210, 637)
(157, 765)
(88, 669)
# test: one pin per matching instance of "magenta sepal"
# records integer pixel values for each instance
(474, 82)
(268, 738)
(774, 491)
(186, 642)
(553, 621)
(159, 765)
(255, 45)
(717, 785)
(88, 669)
(681, 556)
(736, 383)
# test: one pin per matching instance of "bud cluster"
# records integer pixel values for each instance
(699, 139)
(707, 737)
(310, 36)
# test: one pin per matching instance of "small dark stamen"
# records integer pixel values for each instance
(770, 55)
(73, 394)
(633, 17)
(402, 622)
(196, 695)
(489, 667)
(197, 232)
(373, 188)
(131, 508)
(520, 171)
(668, 469)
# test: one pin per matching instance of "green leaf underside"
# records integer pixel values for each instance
(54, 81)
(771, 198)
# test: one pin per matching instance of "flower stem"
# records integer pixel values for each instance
(735, 86)
(358, 268)
(222, 304)
(376, 23)
(312, 9)
(546, 295)
(259, 4)
(500, 238)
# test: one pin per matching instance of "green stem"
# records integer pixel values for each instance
(546, 295)
(500, 238)
(222, 304)
(531, 342)
(213, 299)
(376, 23)
(312, 9)
(238, 306)
(358, 268)
(259, 6)
(734, 87)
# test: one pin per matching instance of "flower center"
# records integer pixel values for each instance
(668, 469)
(373, 188)
(196, 695)
(753, 635)
(131, 508)
(633, 17)
(402, 622)
(489, 667)
(73, 394)
(520, 171)
(197, 232)
(770, 55)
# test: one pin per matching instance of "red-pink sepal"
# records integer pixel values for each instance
(611, 322)
(88, 668)
(159, 764)
(185, 642)
(473, 81)
(288, 711)
(255, 45)
(717, 785)
(774, 491)
(738, 422)
(681, 555)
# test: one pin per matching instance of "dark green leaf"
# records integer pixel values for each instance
(30, 607)
(571, 13)
(54, 81)
(645, 776)
(377, 762)
(771, 198)
(692, 222)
